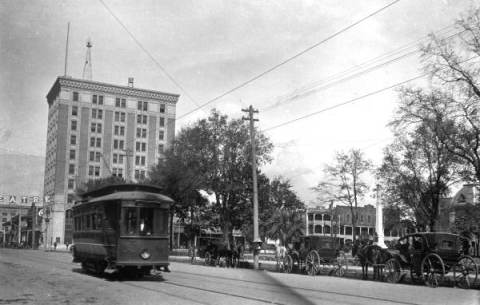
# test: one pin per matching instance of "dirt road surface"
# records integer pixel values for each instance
(37, 277)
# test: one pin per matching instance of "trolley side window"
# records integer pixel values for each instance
(161, 221)
(146, 221)
(130, 221)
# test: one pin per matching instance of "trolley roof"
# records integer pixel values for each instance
(118, 192)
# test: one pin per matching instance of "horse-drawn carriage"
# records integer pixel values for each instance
(212, 247)
(429, 257)
(314, 255)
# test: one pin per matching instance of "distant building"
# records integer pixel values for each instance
(98, 130)
(461, 214)
(8, 227)
(338, 222)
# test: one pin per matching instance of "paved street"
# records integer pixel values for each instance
(37, 277)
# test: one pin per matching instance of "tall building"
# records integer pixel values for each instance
(98, 130)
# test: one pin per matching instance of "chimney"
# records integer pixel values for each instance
(130, 82)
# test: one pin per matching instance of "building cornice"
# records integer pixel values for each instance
(67, 82)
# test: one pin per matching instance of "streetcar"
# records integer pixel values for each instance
(122, 229)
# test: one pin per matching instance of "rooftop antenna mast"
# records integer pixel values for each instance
(87, 68)
(66, 50)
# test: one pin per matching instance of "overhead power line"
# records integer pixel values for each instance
(344, 103)
(243, 84)
(358, 98)
(353, 72)
(140, 45)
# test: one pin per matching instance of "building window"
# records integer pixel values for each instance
(144, 146)
(120, 158)
(74, 110)
(318, 229)
(92, 156)
(369, 218)
(94, 99)
(114, 159)
(117, 116)
(161, 135)
(96, 127)
(97, 171)
(94, 113)
(121, 144)
(75, 96)
(90, 170)
(144, 133)
(115, 144)
(137, 146)
(361, 218)
(100, 99)
(162, 108)
(92, 142)
(143, 106)
(71, 169)
(137, 160)
(122, 130)
(100, 114)
(122, 116)
(72, 154)
(137, 174)
(73, 139)
(97, 156)
(73, 125)
(161, 148)
(120, 102)
(162, 122)
(99, 142)
(71, 184)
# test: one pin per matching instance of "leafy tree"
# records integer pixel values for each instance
(285, 225)
(213, 155)
(93, 184)
(417, 172)
(344, 182)
(274, 195)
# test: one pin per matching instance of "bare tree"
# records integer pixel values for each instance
(344, 182)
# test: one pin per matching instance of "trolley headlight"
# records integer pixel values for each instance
(144, 254)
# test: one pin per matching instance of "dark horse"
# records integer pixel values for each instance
(370, 254)
(224, 256)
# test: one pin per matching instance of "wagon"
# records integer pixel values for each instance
(430, 257)
(314, 255)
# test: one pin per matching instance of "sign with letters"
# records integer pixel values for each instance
(12, 199)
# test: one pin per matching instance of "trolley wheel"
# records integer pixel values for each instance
(392, 271)
(287, 263)
(433, 270)
(208, 258)
(312, 262)
(465, 272)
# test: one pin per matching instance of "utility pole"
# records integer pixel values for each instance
(256, 238)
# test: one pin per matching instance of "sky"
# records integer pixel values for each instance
(209, 47)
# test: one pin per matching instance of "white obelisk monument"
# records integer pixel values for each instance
(379, 220)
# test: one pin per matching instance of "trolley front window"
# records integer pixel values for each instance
(144, 221)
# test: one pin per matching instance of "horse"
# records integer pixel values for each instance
(370, 254)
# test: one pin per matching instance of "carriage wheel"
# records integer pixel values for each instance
(287, 263)
(208, 258)
(433, 270)
(392, 271)
(465, 272)
(312, 262)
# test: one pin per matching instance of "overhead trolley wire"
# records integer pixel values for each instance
(243, 84)
(140, 45)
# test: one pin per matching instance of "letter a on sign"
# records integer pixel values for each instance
(13, 199)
